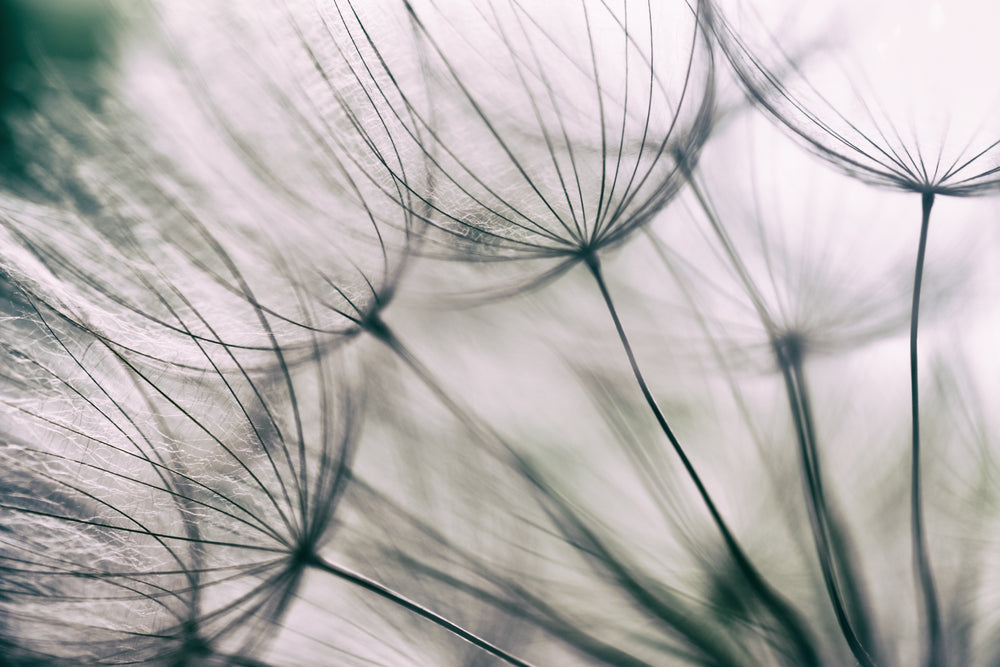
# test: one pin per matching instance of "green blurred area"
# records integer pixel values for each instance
(48, 45)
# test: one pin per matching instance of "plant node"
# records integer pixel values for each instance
(789, 348)
(303, 556)
(375, 326)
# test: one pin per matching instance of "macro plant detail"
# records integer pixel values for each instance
(846, 122)
(423, 332)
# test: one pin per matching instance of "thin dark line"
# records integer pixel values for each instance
(924, 575)
(778, 606)
(398, 598)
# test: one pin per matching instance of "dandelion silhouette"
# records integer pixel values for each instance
(564, 165)
(131, 243)
(842, 116)
(881, 102)
(820, 281)
(531, 211)
(130, 263)
(803, 263)
(253, 500)
(505, 202)
(196, 243)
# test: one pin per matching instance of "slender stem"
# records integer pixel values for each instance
(547, 617)
(824, 527)
(383, 333)
(778, 606)
(842, 547)
(485, 433)
(789, 355)
(921, 559)
(831, 540)
(384, 591)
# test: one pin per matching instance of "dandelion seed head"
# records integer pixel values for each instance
(905, 99)
(541, 133)
(165, 499)
(222, 224)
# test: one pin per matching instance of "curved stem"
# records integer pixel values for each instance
(680, 622)
(831, 538)
(778, 606)
(921, 559)
(835, 563)
(384, 591)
